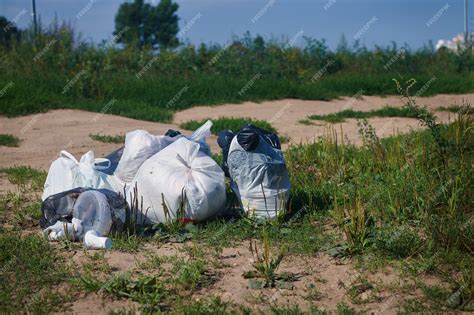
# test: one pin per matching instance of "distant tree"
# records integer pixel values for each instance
(343, 46)
(141, 24)
(259, 43)
(8, 32)
(166, 21)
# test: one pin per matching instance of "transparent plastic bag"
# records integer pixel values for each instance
(93, 210)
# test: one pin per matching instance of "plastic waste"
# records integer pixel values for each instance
(114, 158)
(139, 146)
(180, 182)
(257, 169)
(93, 240)
(200, 135)
(67, 173)
(59, 207)
(224, 138)
(93, 210)
(64, 230)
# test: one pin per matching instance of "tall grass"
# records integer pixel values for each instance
(403, 180)
(59, 70)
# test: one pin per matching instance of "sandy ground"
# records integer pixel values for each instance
(321, 280)
(45, 135)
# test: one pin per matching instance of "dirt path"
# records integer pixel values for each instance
(44, 135)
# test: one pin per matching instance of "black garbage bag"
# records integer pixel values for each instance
(224, 138)
(248, 138)
(172, 133)
(114, 158)
(59, 207)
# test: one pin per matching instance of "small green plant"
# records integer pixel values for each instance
(189, 274)
(9, 140)
(357, 225)
(149, 291)
(126, 242)
(306, 122)
(360, 286)
(174, 223)
(119, 139)
(266, 266)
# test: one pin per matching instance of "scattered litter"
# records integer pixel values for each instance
(82, 200)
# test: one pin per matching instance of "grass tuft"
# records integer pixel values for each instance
(9, 140)
(227, 123)
(118, 139)
(387, 111)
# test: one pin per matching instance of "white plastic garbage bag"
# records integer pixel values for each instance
(66, 173)
(180, 176)
(200, 135)
(259, 177)
(139, 146)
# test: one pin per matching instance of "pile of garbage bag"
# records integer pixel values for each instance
(172, 175)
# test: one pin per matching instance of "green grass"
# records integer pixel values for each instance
(387, 111)
(31, 271)
(306, 122)
(119, 139)
(25, 177)
(453, 109)
(9, 140)
(227, 123)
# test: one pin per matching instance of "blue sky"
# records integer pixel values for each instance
(215, 21)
